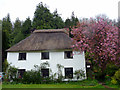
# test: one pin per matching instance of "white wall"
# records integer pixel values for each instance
(55, 57)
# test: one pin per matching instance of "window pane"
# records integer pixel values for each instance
(68, 54)
(21, 72)
(45, 72)
(68, 72)
(22, 56)
(45, 55)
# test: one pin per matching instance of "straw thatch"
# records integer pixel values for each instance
(39, 40)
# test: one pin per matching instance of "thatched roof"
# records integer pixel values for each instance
(39, 40)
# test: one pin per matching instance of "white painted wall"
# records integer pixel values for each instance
(55, 57)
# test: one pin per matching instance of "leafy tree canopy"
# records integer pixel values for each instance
(44, 19)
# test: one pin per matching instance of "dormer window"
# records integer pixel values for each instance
(68, 55)
(22, 56)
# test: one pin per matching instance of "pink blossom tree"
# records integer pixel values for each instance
(99, 37)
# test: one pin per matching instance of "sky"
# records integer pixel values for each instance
(82, 8)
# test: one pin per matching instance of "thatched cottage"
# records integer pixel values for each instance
(51, 45)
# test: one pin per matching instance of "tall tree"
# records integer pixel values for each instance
(57, 20)
(99, 37)
(67, 23)
(42, 17)
(70, 23)
(6, 34)
(26, 27)
(6, 24)
(74, 20)
(118, 55)
(17, 34)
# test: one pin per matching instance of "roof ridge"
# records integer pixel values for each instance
(50, 30)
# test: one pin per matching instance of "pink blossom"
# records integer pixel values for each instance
(98, 37)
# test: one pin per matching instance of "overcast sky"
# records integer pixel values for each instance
(81, 8)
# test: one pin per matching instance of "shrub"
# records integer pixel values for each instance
(32, 77)
(111, 69)
(60, 76)
(80, 74)
(113, 81)
(11, 74)
(116, 78)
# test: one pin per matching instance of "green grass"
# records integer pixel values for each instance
(114, 86)
(48, 86)
(79, 84)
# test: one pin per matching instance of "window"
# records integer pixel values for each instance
(68, 54)
(68, 73)
(22, 56)
(44, 55)
(45, 72)
(21, 72)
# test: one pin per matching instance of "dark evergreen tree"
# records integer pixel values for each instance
(17, 34)
(69, 23)
(6, 24)
(42, 17)
(74, 20)
(26, 27)
(6, 36)
(57, 20)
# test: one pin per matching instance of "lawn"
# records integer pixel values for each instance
(80, 84)
(48, 86)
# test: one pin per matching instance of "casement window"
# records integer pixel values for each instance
(22, 56)
(68, 54)
(69, 73)
(45, 72)
(21, 73)
(44, 55)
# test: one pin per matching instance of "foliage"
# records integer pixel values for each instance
(44, 19)
(6, 37)
(72, 21)
(5, 65)
(45, 64)
(113, 81)
(60, 76)
(69, 23)
(111, 69)
(11, 74)
(80, 74)
(57, 20)
(116, 78)
(98, 37)
(26, 27)
(32, 77)
(16, 34)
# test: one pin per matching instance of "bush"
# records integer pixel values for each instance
(11, 74)
(113, 81)
(32, 77)
(80, 74)
(111, 69)
(116, 78)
